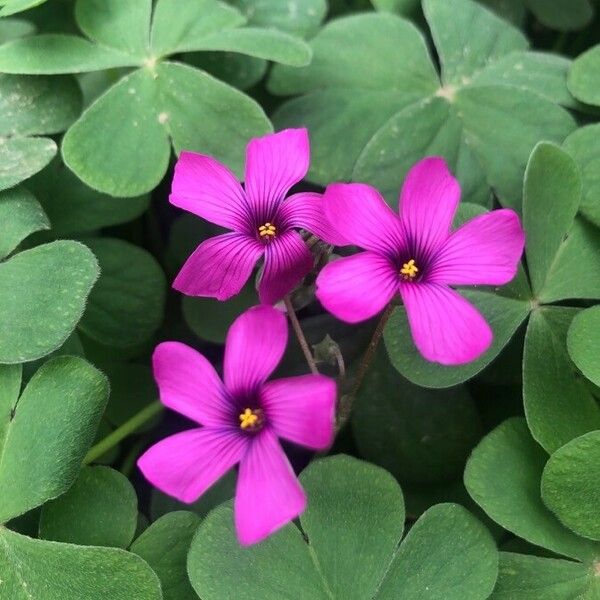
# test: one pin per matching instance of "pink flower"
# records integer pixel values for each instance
(242, 420)
(262, 221)
(418, 256)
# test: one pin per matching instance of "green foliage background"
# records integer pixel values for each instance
(471, 482)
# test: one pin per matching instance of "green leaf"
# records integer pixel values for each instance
(563, 15)
(53, 571)
(10, 7)
(551, 196)
(300, 17)
(74, 208)
(584, 146)
(210, 319)
(10, 388)
(238, 70)
(53, 53)
(21, 215)
(126, 306)
(503, 477)
(123, 26)
(583, 79)
(42, 297)
(504, 315)
(50, 431)
(14, 28)
(417, 434)
(352, 523)
(119, 146)
(164, 546)
(468, 37)
(100, 509)
(178, 25)
(558, 404)
(523, 577)
(571, 484)
(20, 158)
(582, 343)
(447, 554)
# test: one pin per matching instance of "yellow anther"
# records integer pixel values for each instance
(268, 229)
(248, 419)
(409, 270)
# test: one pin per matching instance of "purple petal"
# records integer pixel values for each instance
(306, 211)
(357, 287)
(287, 261)
(274, 163)
(428, 201)
(301, 409)
(445, 327)
(484, 251)
(189, 384)
(219, 267)
(205, 187)
(268, 494)
(360, 216)
(255, 344)
(185, 465)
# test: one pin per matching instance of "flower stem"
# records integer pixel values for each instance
(346, 402)
(312, 365)
(119, 434)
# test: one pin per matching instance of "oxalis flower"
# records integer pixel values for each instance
(416, 255)
(242, 419)
(261, 219)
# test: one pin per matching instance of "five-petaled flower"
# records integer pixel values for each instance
(416, 254)
(241, 420)
(261, 219)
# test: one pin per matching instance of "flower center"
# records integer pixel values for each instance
(409, 270)
(251, 419)
(267, 231)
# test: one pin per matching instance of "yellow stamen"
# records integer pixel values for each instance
(248, 418)
(409, 270)
(267, 230)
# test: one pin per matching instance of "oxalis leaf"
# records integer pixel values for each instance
(49, 428)
(42, 297)
(582, 342)
(398, 109)
(353, 521)
(32, 106)
(503, 476)
(121, 144)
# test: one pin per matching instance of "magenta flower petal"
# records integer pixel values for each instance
(205, 187)
(361, 216)
(287, 261)
(306, 211)
(445, 327)
(219, 267)
(484, 251)
(301, 409)
(185, 465)
(357, 287)
(255, 344)
(268, 494)
(189, 384)
(274, 163)
(428, 201)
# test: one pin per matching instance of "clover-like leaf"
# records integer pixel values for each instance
(503, 476)
(32, 106)
(10, 7)
(11, 29)
(418, 434)
(43, 292)
(126, 306)
(353, 521)
(558, 404)
(582, 342)
(164, 546)
(49, 428)
(100, 509)
(32, 568)
(20, 215)
(584, 78)
(399, 110)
